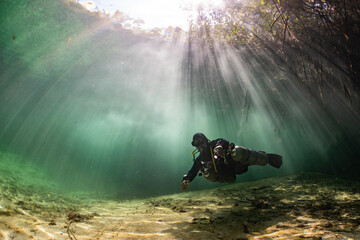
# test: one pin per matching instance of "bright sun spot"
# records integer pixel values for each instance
(155, 13)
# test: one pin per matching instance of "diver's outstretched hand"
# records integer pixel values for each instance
(185, 184)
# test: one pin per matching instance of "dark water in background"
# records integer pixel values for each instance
(100, 108)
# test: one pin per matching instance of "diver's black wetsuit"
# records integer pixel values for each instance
(226, 168)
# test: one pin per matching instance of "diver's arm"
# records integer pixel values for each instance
(193, 171)
(187, 178)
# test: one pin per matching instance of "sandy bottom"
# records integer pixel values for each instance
(304, 206)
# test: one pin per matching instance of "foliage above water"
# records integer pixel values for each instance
(317, 39)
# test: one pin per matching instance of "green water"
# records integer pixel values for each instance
(97, 107)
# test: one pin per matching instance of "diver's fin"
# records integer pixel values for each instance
(275, 160)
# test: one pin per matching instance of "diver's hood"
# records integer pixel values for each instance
(199, 140)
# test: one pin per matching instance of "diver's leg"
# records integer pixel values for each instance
(275, 160)
(240, 154)
(251, 157)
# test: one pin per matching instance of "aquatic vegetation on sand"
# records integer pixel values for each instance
(75, 217)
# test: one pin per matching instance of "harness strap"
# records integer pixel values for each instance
(212, 156)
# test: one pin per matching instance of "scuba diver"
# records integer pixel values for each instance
(221, 161)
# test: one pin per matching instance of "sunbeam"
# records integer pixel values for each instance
(99, 102)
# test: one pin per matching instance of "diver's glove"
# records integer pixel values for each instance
(184, 184)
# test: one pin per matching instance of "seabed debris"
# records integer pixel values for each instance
(300, 206)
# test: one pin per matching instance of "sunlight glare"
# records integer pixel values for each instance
(155, 13)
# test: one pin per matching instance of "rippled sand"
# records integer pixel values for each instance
(305, 206)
